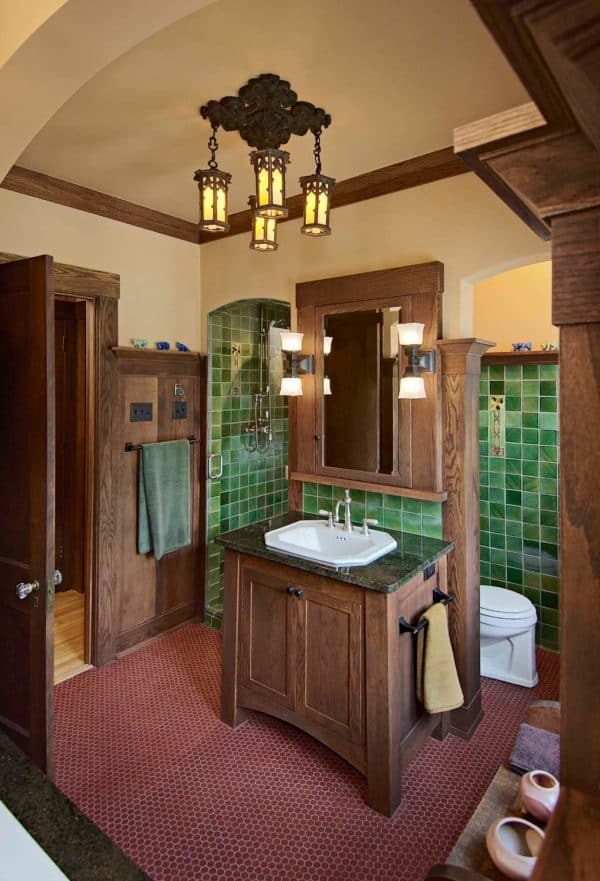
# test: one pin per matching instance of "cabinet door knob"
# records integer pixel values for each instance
(299, 592)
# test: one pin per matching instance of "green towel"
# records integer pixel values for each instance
(164, 497)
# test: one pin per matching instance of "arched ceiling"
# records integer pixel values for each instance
(395, 76)
(49, 49)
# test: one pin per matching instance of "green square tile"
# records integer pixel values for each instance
(497, 525)
(497, 540)
(549, 502)
(530, 404)
(513, 435)
(513, 497)
(411, 522)
(513, 404)
(549, 469)
(497, 495)
(498, 556)
(531, 515)
(496, 372)
(497, 480)
(530, 436)
(514, 575)
(530, 468)
(549, 421)
(392, 519)
(530, 452)
(513, 419)
(513, 481)
(531, 500)
(532, 595)
(549, 600)
(549, 454)
(513, 466)
(513, 512)
(392, 503)
(531, 371)
(548, 371)
(514, 543)
(530, 420)
(411, 505)
(548, 518)
(548, 405)
(513, 387)
(498, 572)
(513, 372)
(514, 528)
(497, 387)
(513, 451)
(548, 389)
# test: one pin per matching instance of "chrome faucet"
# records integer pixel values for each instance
(346, 502)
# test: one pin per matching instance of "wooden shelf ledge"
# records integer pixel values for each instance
(520, 358)
(387, 489)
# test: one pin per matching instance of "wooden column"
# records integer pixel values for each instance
(461, 369)
(576, 309)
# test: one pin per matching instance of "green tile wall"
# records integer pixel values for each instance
(392, 512)
(520, 490)
(253, 485)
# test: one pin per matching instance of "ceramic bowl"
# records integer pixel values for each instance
(163, 345)
(522, 347)
(181, 347)
(549, 347)
(513, 844)
(139, 343)
(539, 794)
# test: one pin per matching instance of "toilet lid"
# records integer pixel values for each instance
(503, 603)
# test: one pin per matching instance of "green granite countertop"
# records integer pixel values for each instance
(413, 554)
(78, 848)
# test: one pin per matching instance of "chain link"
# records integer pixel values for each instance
(213, 146)
(317, 151)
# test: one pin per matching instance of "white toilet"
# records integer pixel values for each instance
(508, 622)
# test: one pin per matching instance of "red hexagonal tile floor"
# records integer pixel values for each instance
(141, 750)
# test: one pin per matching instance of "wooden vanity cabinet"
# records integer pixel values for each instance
(328, 658)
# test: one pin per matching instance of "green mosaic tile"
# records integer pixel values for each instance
(520, 534)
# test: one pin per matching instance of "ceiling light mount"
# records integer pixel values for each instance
(266, 113)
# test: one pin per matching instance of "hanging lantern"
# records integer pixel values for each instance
(269, 168)
(264, 230)
(317, 189)
(213, 185)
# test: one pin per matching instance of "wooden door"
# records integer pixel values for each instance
(330, 651)
(27, 510)
(268, 636)
(70, 384)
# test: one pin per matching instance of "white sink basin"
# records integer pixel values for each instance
(330, 546)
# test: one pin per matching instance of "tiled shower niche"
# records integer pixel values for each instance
(520, 489)
(253, 485)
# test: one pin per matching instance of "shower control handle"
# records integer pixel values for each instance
(219, 472)
(294, 591)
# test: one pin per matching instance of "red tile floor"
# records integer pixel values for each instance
(141, 750)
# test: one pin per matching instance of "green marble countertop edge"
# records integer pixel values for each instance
(386, 575)
(81, 850)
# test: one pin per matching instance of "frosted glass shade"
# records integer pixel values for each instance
(269, 166)
(412, 387)
(326, 385)
(291, 385)
(291, 341)
(327, 341)
(410, 334)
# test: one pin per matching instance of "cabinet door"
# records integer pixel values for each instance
(330, 652)
(268, 636)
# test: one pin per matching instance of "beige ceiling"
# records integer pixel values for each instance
(396, 76)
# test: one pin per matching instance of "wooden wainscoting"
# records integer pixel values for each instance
(155, 596)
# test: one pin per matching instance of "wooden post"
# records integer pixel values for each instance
(461, 369)
(576, 309)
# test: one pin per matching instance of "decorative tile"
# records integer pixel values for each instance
(519, 529)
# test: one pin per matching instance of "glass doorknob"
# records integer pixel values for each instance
(25, 588)
(57, 577)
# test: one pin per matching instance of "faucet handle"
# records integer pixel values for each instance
(347, 496)
(368, 521)
(328, 514)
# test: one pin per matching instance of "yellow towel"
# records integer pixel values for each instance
(438, 687)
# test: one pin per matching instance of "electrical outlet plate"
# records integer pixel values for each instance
(179, 410)
(140, 412)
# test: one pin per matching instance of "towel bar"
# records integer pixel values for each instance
(129, 447)
(438, 597)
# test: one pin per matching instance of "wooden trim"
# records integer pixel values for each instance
(143, 633)
(75, 281)
(387, 489)
(131, 354)
(414, 172)
(519, 358)
(419, 278)
(61, 192)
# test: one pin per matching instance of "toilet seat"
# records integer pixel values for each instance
(500, 604)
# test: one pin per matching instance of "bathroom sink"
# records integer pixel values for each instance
(329, 546)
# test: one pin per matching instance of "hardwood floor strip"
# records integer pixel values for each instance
(69, 618)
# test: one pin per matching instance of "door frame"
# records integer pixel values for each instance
(101, 291)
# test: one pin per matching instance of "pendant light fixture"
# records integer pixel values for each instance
(269, 169)
(264, 230)
(317, 189)
(265, 113)
(213, 185)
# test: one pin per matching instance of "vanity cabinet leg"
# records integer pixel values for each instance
(441, 731)
(231, 714)
(383, 771)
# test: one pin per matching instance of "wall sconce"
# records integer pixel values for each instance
(264, 230)
(410, 338)
(291, 344)
(327, 341)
